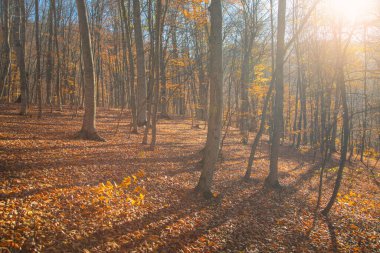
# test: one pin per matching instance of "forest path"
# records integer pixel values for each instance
(48, 181)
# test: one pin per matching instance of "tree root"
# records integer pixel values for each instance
(85, 135)
(272, 185)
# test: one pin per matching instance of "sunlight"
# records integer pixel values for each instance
(352, 11)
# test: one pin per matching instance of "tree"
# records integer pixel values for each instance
(49, 54)
(6, 48)
(346, 125)
(38, 64)
(131, 67)
(249, 35)
(19, 45)
(216, 100)
(88, 130)
(57, 18)
(265, 104)
(365, 116)
(272, 178)
(141, 84)
(157, 57)
(151, 66)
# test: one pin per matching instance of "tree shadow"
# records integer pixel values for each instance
(163, 216)
(31, 192)
(332, 234)
(249, 218)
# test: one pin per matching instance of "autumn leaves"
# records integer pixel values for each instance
(128, 191)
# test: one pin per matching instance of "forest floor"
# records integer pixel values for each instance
(52, 198)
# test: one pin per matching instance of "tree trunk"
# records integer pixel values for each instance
(244, 106)
(296, 112)
(151, 73)
(163, 92)
(58, 70)
(265, 104)
(365, 116)
(156, 89)
(131, 70)
(6, 49)
(248, 38)
(50, 55)
(346, 134)
(38, 55)
(19, 44)
(272, 179)
(141, 84)
(88, 130)
(216, 100)
(303, 111)
(335, 122)
(203, 84)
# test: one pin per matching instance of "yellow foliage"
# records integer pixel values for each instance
(107, 193)
(126, 182)
(195, 10)
(259, 87)
(140, 173)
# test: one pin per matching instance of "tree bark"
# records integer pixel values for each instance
(50, 55)
(163, 91)
(216, 100)
(6, 49)
(156, 89)
(19, 44)
(88, 130)
(151, 65)
(272, 178)
(58, 57)
(141, 84)
(38, 55)
(131, 69)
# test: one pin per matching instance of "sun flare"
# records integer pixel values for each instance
(352, 10)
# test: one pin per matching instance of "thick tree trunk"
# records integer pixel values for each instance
(6, 49)
(88, 130)
(272, 179)
(216, 100)
(19, 44)
(141, 84)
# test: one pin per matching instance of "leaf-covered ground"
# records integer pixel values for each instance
(50, 202)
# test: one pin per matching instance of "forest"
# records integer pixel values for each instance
(189, 126)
